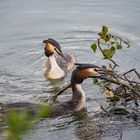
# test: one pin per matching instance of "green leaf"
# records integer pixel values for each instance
(101, 35)
(104, 66)
(108, 53)
(107, 38)
(112, 51)
(119, 46)
(104, 30)
(113, 42)
(119, 111)
(94, 47)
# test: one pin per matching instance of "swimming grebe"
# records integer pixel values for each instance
(57, 64)
(77, 101)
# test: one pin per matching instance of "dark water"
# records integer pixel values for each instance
(74, 24)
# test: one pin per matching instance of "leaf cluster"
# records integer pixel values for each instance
(108, 43)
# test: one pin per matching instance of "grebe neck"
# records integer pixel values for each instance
(53, 62)
(55, 71)
(78, 96)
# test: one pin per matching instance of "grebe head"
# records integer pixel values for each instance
(84, 71)
(52, 46)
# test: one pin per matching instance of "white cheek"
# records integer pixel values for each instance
(93, 72)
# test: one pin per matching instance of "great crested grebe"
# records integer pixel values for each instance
(57, 64)
(77, 101)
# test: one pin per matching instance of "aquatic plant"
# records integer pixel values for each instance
(128, 83)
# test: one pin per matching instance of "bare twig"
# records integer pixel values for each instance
(108, 113)
(134, 70)
(128, 71)
(124, 78)
(61, 91)
(137, 73)
(130, 81)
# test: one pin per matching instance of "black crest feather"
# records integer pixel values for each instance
(54, 43)
(82, 65)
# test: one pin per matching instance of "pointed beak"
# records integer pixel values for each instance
(61, 54)
(100, 72)
(104, 71)
(54, 47)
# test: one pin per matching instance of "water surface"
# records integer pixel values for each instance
(74, 24)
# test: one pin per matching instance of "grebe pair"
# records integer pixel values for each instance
(56, 68)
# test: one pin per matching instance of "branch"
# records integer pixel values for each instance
(131, 71)
(136, 92)
(61, 91)
(137, 73)
(108, 113)
(130, 81)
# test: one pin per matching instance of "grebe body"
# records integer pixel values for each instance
(58, 63)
